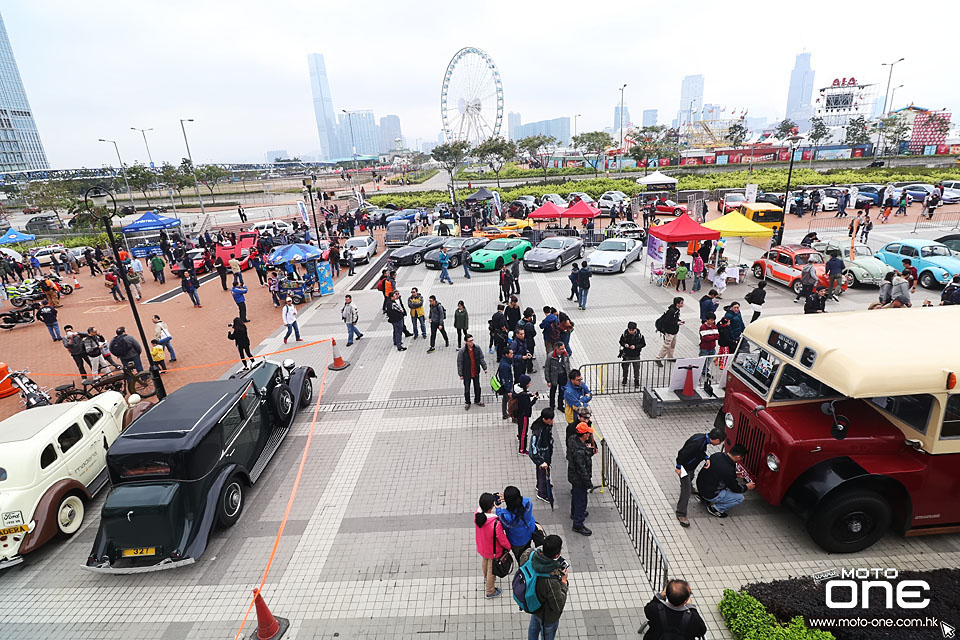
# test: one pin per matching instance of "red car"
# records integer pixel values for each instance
(670, 207)
(246, 241)
(731, 202)
(199, 264)
(30, 210)
(785, 263)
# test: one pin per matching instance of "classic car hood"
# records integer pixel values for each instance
(950, 263)
(874, 266)
(542, 254)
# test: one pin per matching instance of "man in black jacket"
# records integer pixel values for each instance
(73, 342)
(583, 285)
(669, 326)
(498, 332)
(691, 454)
(469, 363)
(127, 350)
(816, 302)
(670, 611)
(580, 475)
(395, 315)
(541, 452)
(719, 483)
(631, 343)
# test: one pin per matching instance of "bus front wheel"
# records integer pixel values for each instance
(850, 521)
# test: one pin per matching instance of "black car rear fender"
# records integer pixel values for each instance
(297, 379)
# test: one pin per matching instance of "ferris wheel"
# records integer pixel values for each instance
(471, 99)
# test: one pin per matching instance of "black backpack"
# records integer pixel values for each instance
(673, 633)
(660, 325)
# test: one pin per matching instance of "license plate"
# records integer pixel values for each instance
(9, 530)
(141, 551)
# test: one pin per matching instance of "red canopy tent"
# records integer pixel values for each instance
(546, 211)
(581, 210)
(683, 229)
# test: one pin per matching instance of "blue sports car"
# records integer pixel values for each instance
(934, 262)
(405, 214)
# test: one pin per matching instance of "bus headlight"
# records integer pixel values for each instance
(728, 420)
(773, 463)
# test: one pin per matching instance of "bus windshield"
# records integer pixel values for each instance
(795, 384)
(755, 366)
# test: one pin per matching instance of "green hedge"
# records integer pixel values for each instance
(748, 619)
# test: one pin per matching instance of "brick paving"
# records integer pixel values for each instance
(380, 543)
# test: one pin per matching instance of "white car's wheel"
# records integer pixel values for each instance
(623, 266)
(70, 515)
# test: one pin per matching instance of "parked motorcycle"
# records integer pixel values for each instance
(10, 319)
(31, 395)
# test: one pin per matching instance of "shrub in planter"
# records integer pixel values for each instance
(748, 620)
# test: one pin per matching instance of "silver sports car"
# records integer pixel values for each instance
(553, 253)
(614, 254)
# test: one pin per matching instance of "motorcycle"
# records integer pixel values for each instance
(10, 319)
(31, 395)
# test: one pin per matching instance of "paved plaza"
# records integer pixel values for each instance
(380, 541)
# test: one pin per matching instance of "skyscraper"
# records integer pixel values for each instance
(20, 146)
(559, 128)
(363, 134)
(389, 131)
(330, 147)
(616, 117)
(799, 108)
(649, 117)
(513, 126)
(691, 99)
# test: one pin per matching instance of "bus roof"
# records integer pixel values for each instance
(865, 354)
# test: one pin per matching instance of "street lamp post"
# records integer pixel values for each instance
(575, 116)
(786, 194)
(876, 149)
(308, 185)
(143, 132)
(95, 199)
(620, 148)
(893, 92)
(353, 143)
(193, 167)
(123, 170)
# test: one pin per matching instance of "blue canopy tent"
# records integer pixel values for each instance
(319, 278)
(13, 236)
(143, 234)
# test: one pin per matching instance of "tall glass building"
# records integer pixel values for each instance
(20, 146)
(323, 108)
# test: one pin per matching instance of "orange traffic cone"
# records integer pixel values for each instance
(338, 361)
(6, 389)
(76, 283)
(269, 627)
(688, 390)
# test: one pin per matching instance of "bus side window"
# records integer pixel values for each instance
(914, 410)
(951, 418)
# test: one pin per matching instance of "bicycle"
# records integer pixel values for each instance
(139, 383)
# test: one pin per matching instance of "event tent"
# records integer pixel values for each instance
(657, 178)
(150, 221)
(735, 224)
(546, 211)
(581, 210)
(683, 229)
(482, 194)
(13, 236)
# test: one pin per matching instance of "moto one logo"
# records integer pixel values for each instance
(855, 587)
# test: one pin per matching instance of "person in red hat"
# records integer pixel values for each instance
(580, 475)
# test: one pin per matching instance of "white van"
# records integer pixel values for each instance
(271, 227)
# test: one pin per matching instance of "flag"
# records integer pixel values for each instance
(303, 212)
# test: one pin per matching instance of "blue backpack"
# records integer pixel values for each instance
(525, 586)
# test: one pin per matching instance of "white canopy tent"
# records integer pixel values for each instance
(657, 178)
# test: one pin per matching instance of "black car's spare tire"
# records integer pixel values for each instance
(281, 401)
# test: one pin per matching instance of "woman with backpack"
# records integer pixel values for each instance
(517, 519)
(491, 541)
(523, 402)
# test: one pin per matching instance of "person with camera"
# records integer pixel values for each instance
(670, 613)
(516, 516)
(551, 587)
(238, 333)
(491, 542)
(720, 483)
(691, 454)
(631, 343)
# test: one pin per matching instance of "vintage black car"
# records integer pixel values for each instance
(454, 247)
(185, 466)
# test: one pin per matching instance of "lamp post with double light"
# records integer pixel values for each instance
(308, 185)
(876, 149)
(786, 194)
(95, 200)
(193, 167)
(620, 148)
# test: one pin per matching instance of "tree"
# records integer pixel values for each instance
(168, 176)
(51, 196)
(786, 128)
(496, 152)
(594, 143)
(141, 178)
(857, 131)
(184, 177)
(211, 175)
(652, 142)
(536, 145)
(736, 134)
(819, 135)
(450, 155)
(894, 130)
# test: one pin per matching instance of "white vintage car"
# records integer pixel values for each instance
(52, 462)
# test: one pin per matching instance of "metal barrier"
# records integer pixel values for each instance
(606, 378)
(828, 221)
(943, 220)
(652, 557)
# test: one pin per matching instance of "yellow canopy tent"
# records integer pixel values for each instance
(735, 224)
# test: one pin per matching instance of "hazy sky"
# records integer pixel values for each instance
(94, 69)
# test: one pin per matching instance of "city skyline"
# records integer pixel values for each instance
(20, 143)
(225, 84)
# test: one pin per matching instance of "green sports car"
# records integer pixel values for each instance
(498, 253)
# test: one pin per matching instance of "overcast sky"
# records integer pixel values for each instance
(94, 69)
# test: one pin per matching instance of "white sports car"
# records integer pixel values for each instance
(614, 255)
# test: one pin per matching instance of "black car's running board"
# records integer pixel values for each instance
(276, 438)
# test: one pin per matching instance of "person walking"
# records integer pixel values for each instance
(239, 292)
(273, 286)
(574, 278)
(901, 204)
(632, 343)
(465, 261)
(834, 268)
(580, 475)
(236, 270)
(351, 256)
(540, 451)
(48, 316)
(491, 541)
(515, 276)
(444, 260)
(395, 315)
(756, 299)
(469, 363)
(188, 286)
(719, 483)
(113, 283)
(583, 285)
(709, 335)
(865, 228)
(524, 411)
(91, 262)
(133, 279)
(162, 335)
(157, 266)
(551, 587)
(73, 342)
(668, 325)
(241, 213)
(461, 322)
(671, 616)
(417, 313)
(127, 350)
(505, 376)
(221, 269)
(437, 315)
(808, 280)
(691, 454)
(289, 316)
(516, 516)
(557, 372)
(256, 262)
(238, 333)
(350, 317)
(506, 283)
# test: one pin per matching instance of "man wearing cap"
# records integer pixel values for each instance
(290, 320)
(580, 475)
(693, 452)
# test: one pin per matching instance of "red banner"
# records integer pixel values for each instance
(709, 159)
(943, 149)
(858, 153)
(664, 162)
(807, 154)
